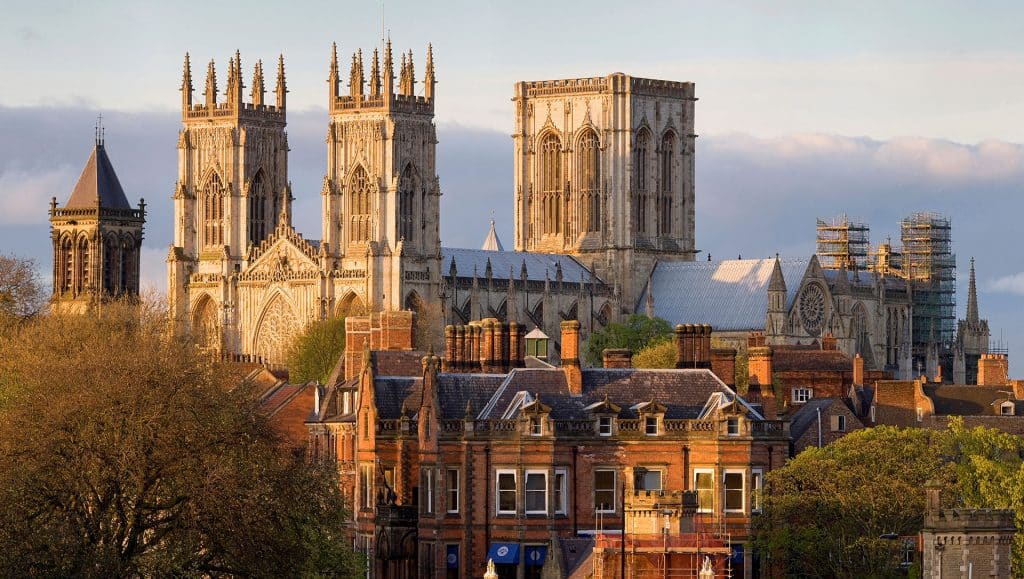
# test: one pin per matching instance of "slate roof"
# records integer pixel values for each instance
(730, 295)
(98, 180)
(454, 391)
(397, 363)
(807, 415)
(537, 264)
(809, 359)
(955, 400)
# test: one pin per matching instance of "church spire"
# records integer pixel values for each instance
(389, 72)
(258, 92)
(972, 299)
(411, 80)
(375, 76)
(186, 85)
(211, 85)
(428, 78)
(332, 77)
(355, 81)
(282, 89)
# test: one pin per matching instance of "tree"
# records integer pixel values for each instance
(635, 333)
(659, 354)
(315, 353)
(21, 294)
(828, 509)
(124, 451)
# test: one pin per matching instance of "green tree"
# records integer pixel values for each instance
(126, 452)
(314, 354)
(659, 354)
(21, 294)
(828, 509)
(635, 333)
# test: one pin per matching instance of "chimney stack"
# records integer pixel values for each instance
(571, 356)
(723, 365)
(858, 370)
(617, 358)
(693, 345)
(993, 370)
(760, 367)
(828, 342)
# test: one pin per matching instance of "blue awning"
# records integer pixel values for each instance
(504, 553)
(535, 555)
(452, 558)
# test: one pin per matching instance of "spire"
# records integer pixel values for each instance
(842, 279)
(403, 76)
(411, 81)
(355, 80)
(777, 282)
(389, 71)
(237, 93)
(375, 76)
(282, 89)
(332, 77)
(428, 78)
(972, 299)
(186, 85)
(258, 92)
(211, 85)
(491, 242)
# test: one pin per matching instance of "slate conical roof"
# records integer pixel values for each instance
(492, 243)
(98, 184)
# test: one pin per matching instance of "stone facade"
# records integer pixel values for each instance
(965, 543)
(604, 170)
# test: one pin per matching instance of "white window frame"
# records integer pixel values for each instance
(614, 490)
(742, 491)
(661, 478)
(561, 490)
(657, 425)
(366, 486)
(1006, 409)
(453, 490)
(840, 423)
(536, 426)
(732, 426)
(711, 492)
(498, 491)
(428, 482)
(798, 392)
(601, 431)
(526, 491)
(920, 414)
(756, 490)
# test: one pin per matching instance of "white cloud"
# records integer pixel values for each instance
(1008, 284)
(25, 195)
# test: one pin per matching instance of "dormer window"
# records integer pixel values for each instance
(1007, 408)
(732, 426)
(536, 426)
(604, 425)
(604, 413)
(651, 425)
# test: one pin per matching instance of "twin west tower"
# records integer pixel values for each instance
(603, 188)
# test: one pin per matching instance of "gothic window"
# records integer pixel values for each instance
(860, 329)
(111, 265)
(67, 265)
(551, 184)
(213, 212)
(82, 265)
(407, 186)
(276, 332)
(641, 165)
(359, 206)
(128, 261)
(667, 184)
(258, 225)
(204, 324)
(590, 181)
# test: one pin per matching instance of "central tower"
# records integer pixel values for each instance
(604, 171)
(381, 193)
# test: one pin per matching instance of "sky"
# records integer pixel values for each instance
(807, 109)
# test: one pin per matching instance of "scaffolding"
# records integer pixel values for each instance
(930, 266)
(842, 242)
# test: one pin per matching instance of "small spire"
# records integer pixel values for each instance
(332, 76)
(99, 130)
(412, 77)
(428, 78)
(258, 92)
(403, 74)
(777, 282)
(389, 70)
(282, 88)
(186, 85)
(375, 75)
(972, 299)
(211, 85)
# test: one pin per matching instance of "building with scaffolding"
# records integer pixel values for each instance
(843, 243)
(929, 265)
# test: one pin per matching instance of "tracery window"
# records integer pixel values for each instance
(82, 265)
(641, 163)
(551, 184)
(590, 181)
(67, 265)
(359, 206)
(111, 265)
(213, 212)
(407, 186)
(258, 226)
(128, 261)
(667, 184)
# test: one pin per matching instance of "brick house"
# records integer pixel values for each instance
(822, 421)
(476, 457)
(918, 403)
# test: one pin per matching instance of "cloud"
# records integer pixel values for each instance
(1008, 284)
(25, 194)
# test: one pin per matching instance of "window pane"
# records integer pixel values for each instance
(604, 490)
(559, 492)
(705, 491)
(733, 491)
(536, 492)
(652, 480)
(506, 492)
(757, 483)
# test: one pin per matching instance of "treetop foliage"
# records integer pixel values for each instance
(315, 353)
(637, 332)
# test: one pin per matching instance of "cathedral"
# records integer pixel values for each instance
(603, 190)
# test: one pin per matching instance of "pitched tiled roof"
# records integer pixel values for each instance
(809, 359)
(98, 182)
(537, 264)
(390, 392)
(729, 295)
(953, 400)
(807, 415)
(278, 397)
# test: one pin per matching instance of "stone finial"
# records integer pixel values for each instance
(186, 85)
(211, 84)
(282, 88)
(258, 91)
(375, 75)
(428, 79)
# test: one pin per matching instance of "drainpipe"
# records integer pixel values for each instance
(575, 526)
(819, 427)
(487, 496)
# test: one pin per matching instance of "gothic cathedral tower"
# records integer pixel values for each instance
(231, 193)
(96, 238)
(604, 171)
(381, 195)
